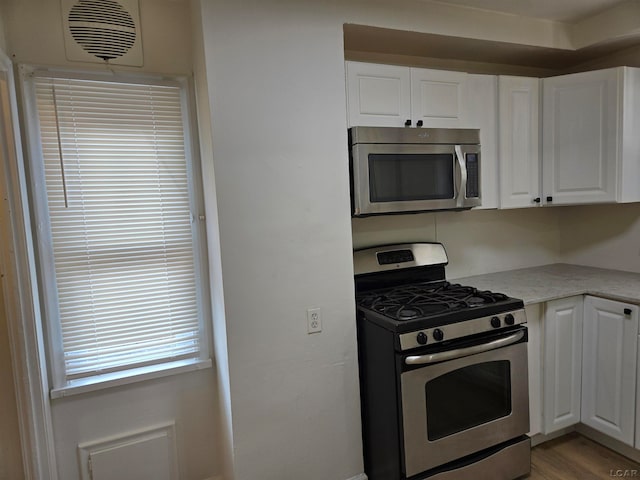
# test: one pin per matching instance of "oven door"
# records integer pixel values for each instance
(395, 178)
(461, 402)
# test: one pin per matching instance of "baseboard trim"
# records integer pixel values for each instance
(612, 443)
(592, 434)
(541, 438)
(360, 476)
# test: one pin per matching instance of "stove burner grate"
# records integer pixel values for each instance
(407, 302)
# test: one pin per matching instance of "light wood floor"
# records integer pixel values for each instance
(574, 457)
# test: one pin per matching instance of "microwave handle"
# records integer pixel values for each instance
(462, 190)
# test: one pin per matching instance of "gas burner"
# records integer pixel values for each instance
(483, 298)
(426, 299)
(407, 313)
(475, 301)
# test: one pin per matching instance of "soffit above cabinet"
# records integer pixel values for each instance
(366, 43)
(559, 11)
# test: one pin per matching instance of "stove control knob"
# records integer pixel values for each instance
(421, 338)
(495, 322)
(438, 335)
(509, 320)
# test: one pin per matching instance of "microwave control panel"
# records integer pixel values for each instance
(473, 175)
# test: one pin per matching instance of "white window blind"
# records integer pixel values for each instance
(121, 230)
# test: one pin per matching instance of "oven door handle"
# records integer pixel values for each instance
(464, 352)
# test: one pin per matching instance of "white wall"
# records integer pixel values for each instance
(617, 23)
(485, 241)
(606, 236)
(10, 447)
(3, 41)
(279, 133)
(221, 355)
(440, 18)
(276, 79)
(10, 454)
(34, 35)
(188, 399)
(477, 241)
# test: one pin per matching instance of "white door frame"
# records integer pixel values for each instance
(18, 281)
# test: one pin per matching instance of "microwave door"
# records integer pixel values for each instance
(405, 178)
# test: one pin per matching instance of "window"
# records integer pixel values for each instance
(117, 239)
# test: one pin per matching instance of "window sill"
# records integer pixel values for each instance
(116, 379)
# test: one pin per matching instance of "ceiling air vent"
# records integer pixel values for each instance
(105, 31)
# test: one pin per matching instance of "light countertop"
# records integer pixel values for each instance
(549, 282)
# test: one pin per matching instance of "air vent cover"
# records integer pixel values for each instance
(102, 31)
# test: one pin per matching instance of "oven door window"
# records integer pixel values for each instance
(411, 177)
(467, 397)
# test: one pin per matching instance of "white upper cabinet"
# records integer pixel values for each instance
(392, 96)
(438, 98)
(576, 145)
(378, 95)
(519, 152)
(609, 367)
(482, 112)
(591, 149)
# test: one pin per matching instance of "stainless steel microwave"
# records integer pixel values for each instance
(401, 170)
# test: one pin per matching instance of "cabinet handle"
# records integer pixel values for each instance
(407, 123)
(549, 199)
(419, 124)
(627, 311)
(536, 200)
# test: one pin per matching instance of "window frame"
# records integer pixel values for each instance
(43, 244)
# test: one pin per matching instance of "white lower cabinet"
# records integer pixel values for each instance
(534, 349)
(562, 363)
(584, 366)
(609, 367)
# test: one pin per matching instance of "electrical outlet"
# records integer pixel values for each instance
(314, 320)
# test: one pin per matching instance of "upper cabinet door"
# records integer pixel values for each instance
(519, 99)
(481, 111)
(609, 367)
(378, 95)
(439, 98)
(580, 137)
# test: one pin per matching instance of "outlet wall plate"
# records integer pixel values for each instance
(314, 320)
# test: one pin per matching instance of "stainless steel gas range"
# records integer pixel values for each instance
(443, 371)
